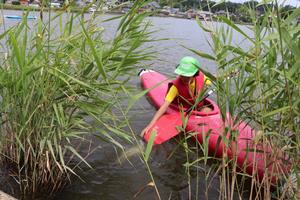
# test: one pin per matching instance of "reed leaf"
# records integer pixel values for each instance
(235, 27)
(78, 155)
(202, 54)
(97, 57)
(202, 26)
(274, 112)
(150, 145)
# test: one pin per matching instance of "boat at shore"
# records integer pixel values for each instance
(19, 17)
(259, 160)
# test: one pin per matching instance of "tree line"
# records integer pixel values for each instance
(238, 10)
(212, 6)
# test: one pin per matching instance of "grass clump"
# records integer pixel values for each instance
(264, 93)
(59, 82)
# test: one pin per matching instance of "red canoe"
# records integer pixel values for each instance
(251, 157)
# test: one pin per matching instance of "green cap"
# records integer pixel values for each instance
(188, 66)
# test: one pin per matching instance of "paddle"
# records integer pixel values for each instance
(166, 126)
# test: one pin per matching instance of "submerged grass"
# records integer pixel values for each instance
(56, 78)
(265, 94)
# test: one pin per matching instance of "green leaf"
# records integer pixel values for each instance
(293, 16)
(97, 55)
(235, 27)
(78, 155)
(72, 78)
(192, 164)
(119, 133)
(202, 26)
(16, 50)
(292, 70)
(71, 24)
(218, 144)
(288, 77)
(5, 33)
(150, 144)
(202, 54)
(112, 18)
(107, 137)
(88, 69)
(136, 97)
(291, 43)
(238, 50)
(274, 112)
(61, 157)
(184, 118)
(50, 147)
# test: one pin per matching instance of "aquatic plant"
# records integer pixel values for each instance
(264, 93)
(60, 81)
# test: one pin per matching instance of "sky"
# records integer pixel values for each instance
(295, 3)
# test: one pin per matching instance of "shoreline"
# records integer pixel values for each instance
(37, 9)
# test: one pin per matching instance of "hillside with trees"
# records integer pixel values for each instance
(238, 10)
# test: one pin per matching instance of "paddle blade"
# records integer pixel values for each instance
(165, 128)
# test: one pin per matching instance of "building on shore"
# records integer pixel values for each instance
(24, 2)
(192, 13)
(165, 10)
(150, 7)
(204, 15)
(221, 13)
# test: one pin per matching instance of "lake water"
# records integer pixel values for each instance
(115, 179)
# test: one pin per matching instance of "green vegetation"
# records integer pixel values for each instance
(57, 89)
(265, 93)
(237, 11)
(59, 83)
(66, 8)
(214, 6)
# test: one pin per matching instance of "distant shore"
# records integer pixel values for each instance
(30, 8)
(85, 10)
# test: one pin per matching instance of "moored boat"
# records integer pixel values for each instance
(19, 17)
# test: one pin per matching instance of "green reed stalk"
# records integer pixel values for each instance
(58, 85)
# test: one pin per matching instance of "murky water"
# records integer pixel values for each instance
(114, 178)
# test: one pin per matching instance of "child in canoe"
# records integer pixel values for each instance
(184, 89)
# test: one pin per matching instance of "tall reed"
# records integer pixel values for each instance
(264, 93)
(59, 82)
